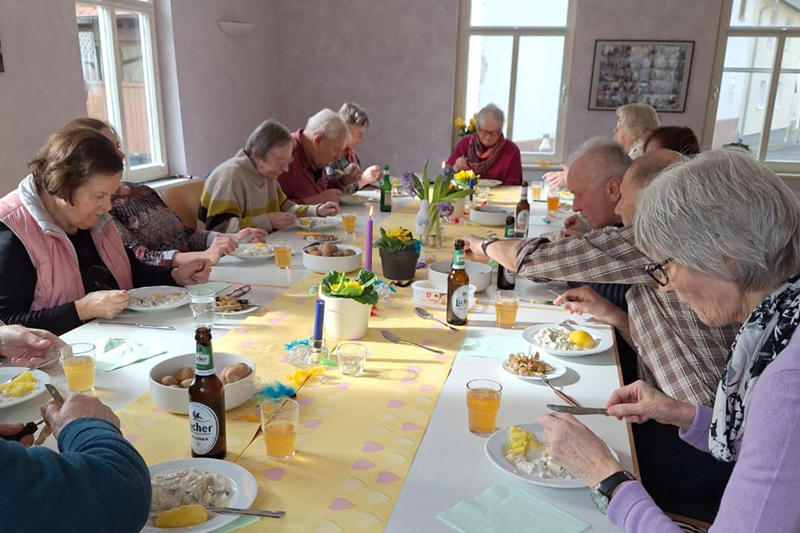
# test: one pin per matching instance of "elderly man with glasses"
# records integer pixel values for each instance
(243, 192)
(487, 152)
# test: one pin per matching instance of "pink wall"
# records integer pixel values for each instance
(42, 87)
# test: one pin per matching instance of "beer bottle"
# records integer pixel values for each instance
(206, 402)
(386, 191)
(458, 288)
(507, 279)
(523, 211)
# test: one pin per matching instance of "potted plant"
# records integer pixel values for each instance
(348, 303)
(399, 254)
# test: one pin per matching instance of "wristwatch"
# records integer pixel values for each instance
(601, 493)
(489, 239)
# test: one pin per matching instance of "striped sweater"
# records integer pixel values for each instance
(237, 196)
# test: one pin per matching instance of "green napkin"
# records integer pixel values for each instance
(506, 507)
(113, 354)
(239, 523)
(491, 346)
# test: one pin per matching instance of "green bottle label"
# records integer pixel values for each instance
(458, 259)
(509, 231)
(203, 361)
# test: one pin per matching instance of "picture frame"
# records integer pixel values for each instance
(641, 72)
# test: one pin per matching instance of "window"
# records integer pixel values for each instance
(117, 44)
(756, 101)
(516, 54)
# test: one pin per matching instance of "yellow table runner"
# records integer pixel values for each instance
(357, 436)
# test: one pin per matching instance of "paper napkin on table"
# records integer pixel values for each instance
(113, 353)
(242, 521)
(505, 508)
(491, 346)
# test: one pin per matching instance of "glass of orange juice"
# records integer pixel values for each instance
(283, 253)
(279, 419)
(483, 402)
(349, 223)
(78, 361)
(506, 304)
(553, 199)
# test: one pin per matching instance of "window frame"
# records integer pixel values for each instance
(466, 31)
(780, 34)
(113, 79)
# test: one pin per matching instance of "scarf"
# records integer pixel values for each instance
(480, 158)
(761, 339)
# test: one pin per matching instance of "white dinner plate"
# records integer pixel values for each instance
(489, 183)
(8, 372)
(145, 292)
(318, 223)
(244, 494)
(558, 370)
(310, 238)
(354, 199)
(495, 451)
(265, 254)
(602, 341)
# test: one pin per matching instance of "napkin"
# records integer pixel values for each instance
(506, 507)
(113, 353)
(491, 346)
(239, 523)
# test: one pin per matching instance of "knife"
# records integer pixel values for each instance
(55, 395)
(577, 410)
(145, 326)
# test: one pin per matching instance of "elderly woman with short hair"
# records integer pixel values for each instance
(725, 232)
(348, 165)
(486, 152)
(634, 124)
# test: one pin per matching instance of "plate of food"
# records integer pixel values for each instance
(155, 299)
(558, 340)
(183, 489)
(490, 183)
(26, 384)
(353, 199)
(230, 306)
(523, 452)
(533, 367)
(317, 223)
(258, 251)
(322, 238)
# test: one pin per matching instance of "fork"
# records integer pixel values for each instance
(560, 394)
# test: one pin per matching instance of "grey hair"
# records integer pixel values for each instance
(609, 159)
(491, 110)
(640, 119)
(354, 114)
(326, 122)
(267, 136)
(725, 215)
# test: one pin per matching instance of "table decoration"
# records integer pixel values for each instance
(399, 252)
(348, 303)
(368, 250)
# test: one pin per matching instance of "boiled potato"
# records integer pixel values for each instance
(186, 383)
(316, 253)
(236, 372)
(184, 373)
(328, 249)
(25, 377)
(183, 516)
(312, 249)
(348, 252)
(169, 381)
(21, 389)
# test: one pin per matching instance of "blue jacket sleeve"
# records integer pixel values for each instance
(99, 482)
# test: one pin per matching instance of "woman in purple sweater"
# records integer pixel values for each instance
(725, 231)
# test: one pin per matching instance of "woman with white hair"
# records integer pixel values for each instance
(634, 123)
(725, 232)
(487, 152)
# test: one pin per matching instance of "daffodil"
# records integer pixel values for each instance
(352, 285)
(336, 286)
(459, 123)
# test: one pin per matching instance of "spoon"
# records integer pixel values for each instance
(391, 337)
(423, 313)
(248, 512)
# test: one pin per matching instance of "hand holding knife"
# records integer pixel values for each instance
(31, 427)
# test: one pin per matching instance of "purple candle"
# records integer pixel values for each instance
(368, 251)
(319, 313)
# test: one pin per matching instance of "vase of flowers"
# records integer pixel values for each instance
(348, 303)
(399, 254)
(465, 128)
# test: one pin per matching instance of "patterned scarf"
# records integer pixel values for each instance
(763, 336)
(480, 158)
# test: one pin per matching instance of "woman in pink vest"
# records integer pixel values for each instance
(62, 261)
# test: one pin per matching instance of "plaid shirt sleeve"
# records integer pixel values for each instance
(603, 256)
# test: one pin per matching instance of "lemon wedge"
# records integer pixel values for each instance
(581, 338)
(183, 516)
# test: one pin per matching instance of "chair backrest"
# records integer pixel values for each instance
(184, 199)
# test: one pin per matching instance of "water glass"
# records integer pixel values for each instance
(483, 403)
(203, 303)
(283, 254)
(351, 357)
(279, 419)
(78, 361)
(506, 304)
(481, 194)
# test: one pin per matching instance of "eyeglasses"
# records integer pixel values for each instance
(282, 160)
(657, 272)
(487, 133)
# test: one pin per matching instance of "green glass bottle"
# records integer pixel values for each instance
(386, 191)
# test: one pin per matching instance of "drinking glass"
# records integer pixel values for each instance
(553, 199)
(506, 304)
(481, 194)
(351, 357)
(78, 361)
(483, 403)
(349, 223)
(203, 303)
(283, 253)
(279, 419)
(536, 190)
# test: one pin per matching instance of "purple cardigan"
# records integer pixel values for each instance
(763, 493)
(507, 168)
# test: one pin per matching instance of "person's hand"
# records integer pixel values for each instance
(640, 402)
(75, 407)
(461, 164)
(585, 300)
(573, 222)
(566, 233)
(472, 248)
(194, 272)
(249, 235)
(281, 220)
(221, 245)
(557, 178)
(102, 304)
(328, 209)
(328, 195)
(369, 176)
(574, 447)
(6, 430)
(28, 347)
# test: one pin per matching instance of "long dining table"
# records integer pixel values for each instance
(389, 450)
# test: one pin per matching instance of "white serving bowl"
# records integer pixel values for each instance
(323, 265)
(428, 295)
(479, 274)
(490, 215)
(177, 400)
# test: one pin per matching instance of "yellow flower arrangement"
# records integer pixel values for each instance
(347, 285)
(402, 235)
(465, 128)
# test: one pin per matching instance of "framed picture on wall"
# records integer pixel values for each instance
(641, 72)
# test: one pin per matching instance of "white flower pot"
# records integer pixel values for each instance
(345, 319)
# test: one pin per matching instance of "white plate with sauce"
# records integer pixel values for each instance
(252, 252)
(164, 291)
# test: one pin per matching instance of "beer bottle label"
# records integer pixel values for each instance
(204, 428)
(522, 221)
(510, 276)
(459, 302)
(203, 361)
(458, 260)
(509, 232)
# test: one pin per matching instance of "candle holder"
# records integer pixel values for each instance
(317, 351)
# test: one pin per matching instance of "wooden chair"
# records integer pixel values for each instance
(184, 199)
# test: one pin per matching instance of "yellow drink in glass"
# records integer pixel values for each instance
(80, 372)
(483, 403)
(280, 438)
(349, 223)
(536, 190)
(283, 254)
(506, 304)
(552, 202)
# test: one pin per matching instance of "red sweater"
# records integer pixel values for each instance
(507, 168)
